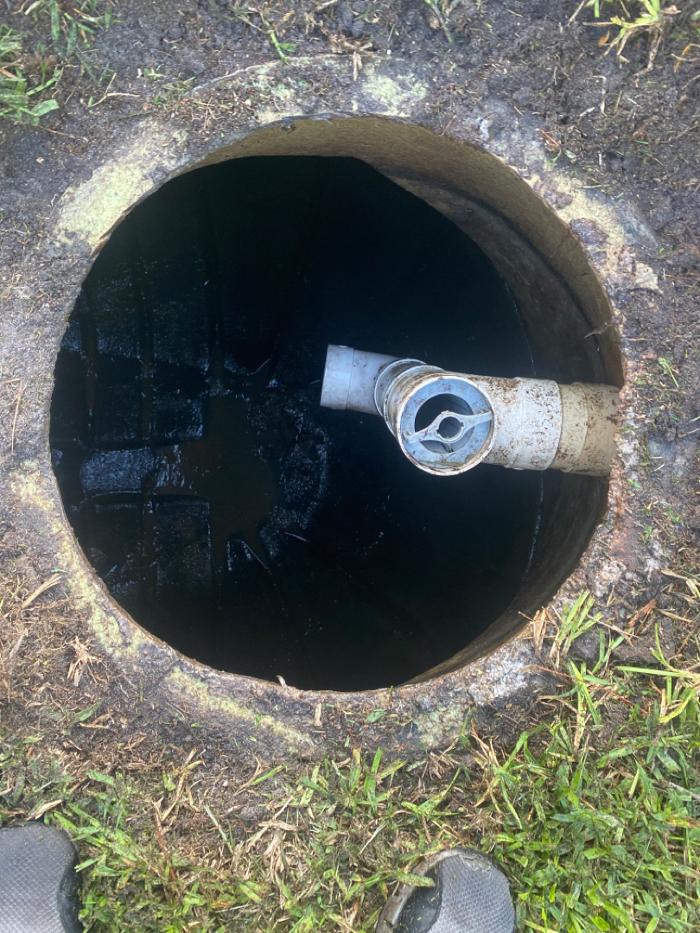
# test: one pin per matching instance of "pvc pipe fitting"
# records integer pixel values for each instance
(447, 423)
(350, 377)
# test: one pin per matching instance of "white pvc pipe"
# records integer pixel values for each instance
(535, 424)
(528, 421)
(350, 377)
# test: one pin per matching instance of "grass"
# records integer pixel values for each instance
(441, 10)
(22, 100)
(632, 19)
(30, 70)
(71, 24)
(272, 31)
(593, 814)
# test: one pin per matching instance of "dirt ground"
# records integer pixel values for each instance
(628, 130)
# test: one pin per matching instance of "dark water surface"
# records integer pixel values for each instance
(228, 512)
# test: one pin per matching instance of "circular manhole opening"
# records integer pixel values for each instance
(248, 527)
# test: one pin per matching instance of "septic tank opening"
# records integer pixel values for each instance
(235, 518)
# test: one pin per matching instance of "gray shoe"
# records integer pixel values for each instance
(470, 895)
(38, 884)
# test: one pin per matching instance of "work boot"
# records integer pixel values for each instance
(470, 895)
(38, 883)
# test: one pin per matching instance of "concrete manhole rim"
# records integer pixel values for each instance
(155, 152)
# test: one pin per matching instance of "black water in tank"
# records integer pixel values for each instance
(225, 510)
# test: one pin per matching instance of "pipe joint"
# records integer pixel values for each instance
(446, 423)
